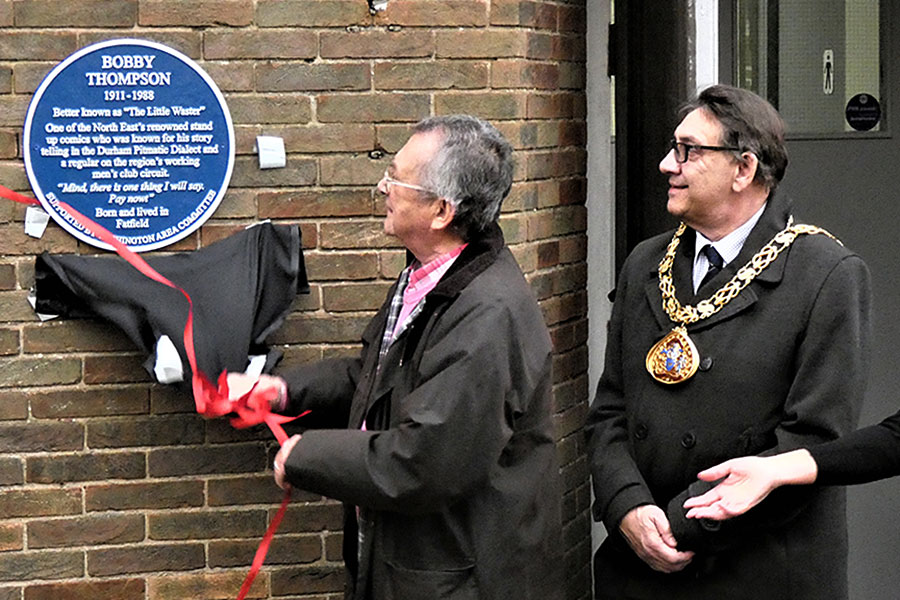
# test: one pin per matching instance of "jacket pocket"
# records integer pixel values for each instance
(427, 584)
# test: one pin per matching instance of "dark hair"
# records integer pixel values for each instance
(473, 170)
(750, 123)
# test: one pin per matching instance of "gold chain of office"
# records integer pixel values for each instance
(762, 259)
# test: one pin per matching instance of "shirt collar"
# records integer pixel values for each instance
(730, 245)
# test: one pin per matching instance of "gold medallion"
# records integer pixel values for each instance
(674, 358)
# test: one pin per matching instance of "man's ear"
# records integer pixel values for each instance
(746, 172)
(443, 214)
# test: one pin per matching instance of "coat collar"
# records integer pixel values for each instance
(773, 220)
(474, 259)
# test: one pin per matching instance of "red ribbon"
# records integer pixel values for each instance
(211, 401)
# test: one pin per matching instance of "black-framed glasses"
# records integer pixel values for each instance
(682, 150)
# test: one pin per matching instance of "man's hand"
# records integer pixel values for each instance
(278, 464)
(267, 386)
(647, 531)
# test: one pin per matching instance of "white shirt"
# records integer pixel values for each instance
(728, 247)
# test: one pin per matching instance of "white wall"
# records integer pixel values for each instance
(600, 193)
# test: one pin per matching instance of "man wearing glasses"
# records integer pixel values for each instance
(742, 332)
(437, 437)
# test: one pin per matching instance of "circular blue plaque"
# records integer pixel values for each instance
(133, 135)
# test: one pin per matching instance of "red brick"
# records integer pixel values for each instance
(11, 536)
(22, 566)
(478, 43)
(39, 502)
(85, 467)
(207, 525)
(332, 137)
(30, 45)
(13, 406)
(115, 369)
(333, 329)
(262, 44)
(351, 170)
(14, 242)
(299, 171)
(355, 108)
(270, 108)
(303, 13)
(487, 105)
(443, 74)
(335, 203)
(334, 544)
(146, 431)
(198, 13)
(376, 44)
(144, 559)
(347, 297)
(56, 404)
(129, 496)
(307, 580)
(75, 335)
(6, 18)
(14, 306)
(7, 277)
(85, 531)
(427, 13)
(309, 518)
(41, 437)
(300, 77)
(232, 76)
(324, 266)
(285, 550)
(231, 458)
(9, 142)
(85, 13)
(524, 74)
(209, 586)
(12, 471)
(117, 589)
(253, 489)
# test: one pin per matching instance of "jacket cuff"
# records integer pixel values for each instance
(627, 499)
(693, 534)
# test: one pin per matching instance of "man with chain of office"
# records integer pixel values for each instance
(744, 331)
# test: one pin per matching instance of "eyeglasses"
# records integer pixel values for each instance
(682, 150)
(389, 181)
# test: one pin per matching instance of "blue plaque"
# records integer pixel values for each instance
(133, 135)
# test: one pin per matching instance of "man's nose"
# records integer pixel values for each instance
(668, 164)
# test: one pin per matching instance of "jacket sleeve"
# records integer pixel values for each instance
(481, 370)
(617, 481)
(325, 389)
(870, 454)
(823, 403)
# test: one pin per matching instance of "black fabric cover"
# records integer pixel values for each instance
(241, 287)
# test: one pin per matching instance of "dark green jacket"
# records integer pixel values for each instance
(457, 468)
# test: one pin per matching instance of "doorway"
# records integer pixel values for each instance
(828, 66)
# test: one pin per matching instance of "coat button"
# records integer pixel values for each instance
(706, 363)
(640, 432)
(688, 440)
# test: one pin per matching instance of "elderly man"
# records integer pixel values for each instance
(741, 332)
(437, 437)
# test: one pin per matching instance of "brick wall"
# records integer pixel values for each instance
(110, 486)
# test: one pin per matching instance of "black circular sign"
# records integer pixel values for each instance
(863, 112)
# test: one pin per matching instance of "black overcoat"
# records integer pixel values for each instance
(782, 366)
(456, 470)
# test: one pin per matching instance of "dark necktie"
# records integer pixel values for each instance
(715, 263)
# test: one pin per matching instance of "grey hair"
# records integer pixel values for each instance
(472, 169)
